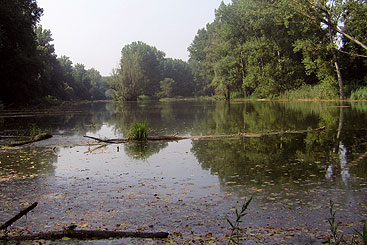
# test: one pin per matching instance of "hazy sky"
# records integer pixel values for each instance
(93, 32)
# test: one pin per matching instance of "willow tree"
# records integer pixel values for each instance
(139, 72)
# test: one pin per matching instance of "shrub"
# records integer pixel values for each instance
(309, 92)
(144, 97)
(359, 94)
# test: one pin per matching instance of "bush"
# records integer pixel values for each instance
(317, 92)
(359, 94)
(1, 106)
(138, 131)
(144, 97)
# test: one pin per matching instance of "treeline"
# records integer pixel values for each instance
(267, 48)
(30, 71)
(144, 71)
(253, 48)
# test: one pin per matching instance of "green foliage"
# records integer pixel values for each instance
(359, 94)
(35, 130)
(139, 71)
(144, 70)
(30, 69)
(1, 106)
(19, 67)
(144, 98)
(236, 230)
(264, 49)
(139, 132)
(309, 92)
(167, 88)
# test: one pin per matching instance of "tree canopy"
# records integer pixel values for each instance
(144, 70)
(262, 49)
(30, 70)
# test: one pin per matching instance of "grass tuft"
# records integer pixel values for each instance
(139, 132)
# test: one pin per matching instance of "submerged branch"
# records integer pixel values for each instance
(37, 138)
(85, 235)
(176, 138)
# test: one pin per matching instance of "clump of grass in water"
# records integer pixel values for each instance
(236, 231)
(138, 131)
(35, 130)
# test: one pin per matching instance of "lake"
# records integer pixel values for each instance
(188, 188)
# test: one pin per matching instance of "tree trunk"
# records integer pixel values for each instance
(332, 35)
(228, 94)
(340, 79)
(243, 73)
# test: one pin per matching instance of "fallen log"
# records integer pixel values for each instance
(108, 141)
(38, 137)
(176, 137)
(18, 216)
(84, 235)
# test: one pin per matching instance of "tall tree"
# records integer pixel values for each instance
(139, 72)
(19, 65)
(330, 19)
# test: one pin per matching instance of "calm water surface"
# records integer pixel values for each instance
(190, 184)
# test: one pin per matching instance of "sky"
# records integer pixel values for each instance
(93, 32)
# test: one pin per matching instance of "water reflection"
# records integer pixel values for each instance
(142, 151)
(26, 163)
(338, 152)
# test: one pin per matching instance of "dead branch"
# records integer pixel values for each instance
(18, 216)
(108, 141)
(176, 138)
(84, 235)
(37, 138)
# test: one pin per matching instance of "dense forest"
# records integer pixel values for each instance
(267, 48)
(252, 49)
(30, 71)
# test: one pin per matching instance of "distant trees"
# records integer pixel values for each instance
(262, 49)
(29, 69)
(144, 70)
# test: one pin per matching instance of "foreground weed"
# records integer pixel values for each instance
(236, 235)
(335, 238)
(362, 235)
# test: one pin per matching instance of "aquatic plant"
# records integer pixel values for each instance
(138, 131)
(236, 231)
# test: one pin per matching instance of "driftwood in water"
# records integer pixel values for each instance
(18, 216)
(108, 141)
(176, 138)
(38, 137)
(85, 235)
